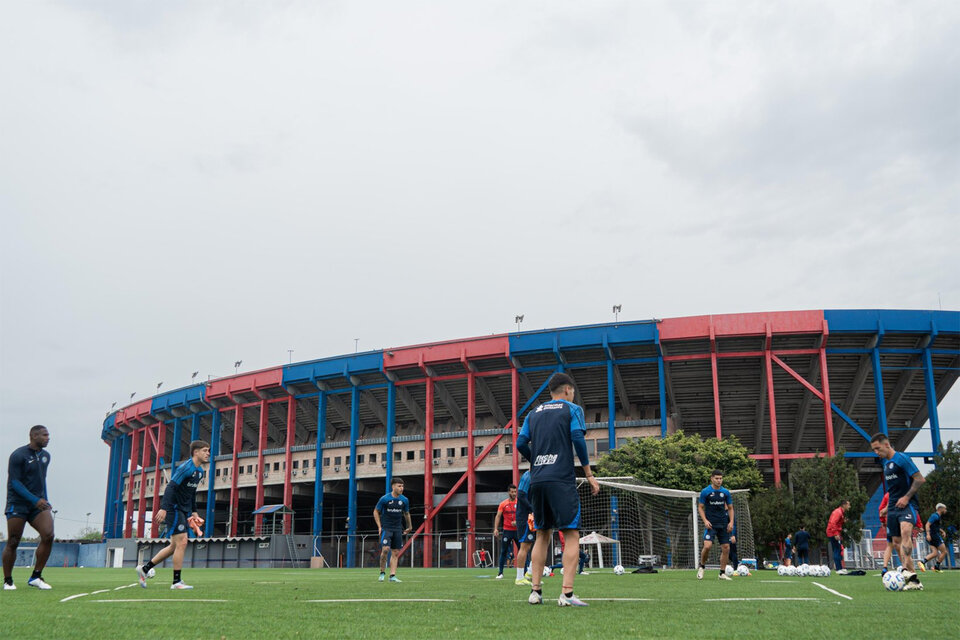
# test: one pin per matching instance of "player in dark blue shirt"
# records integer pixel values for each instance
(27, 502)
(787, 550)
(802, 542)
(903, 480)
(716, 511)
(548, 438)
(525, 535)
(391, 513)
(179, 504)
(938, 549)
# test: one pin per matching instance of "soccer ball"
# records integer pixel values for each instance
(547, 572)
(728, 570)
(151, 573)
(893, 581)
(803, 570)
(781, 570)
(791, 570)
(618, 570)
(561, 570)
(743, 570)
(816, 570)
(825, 571)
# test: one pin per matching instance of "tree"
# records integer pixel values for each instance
(774, 516)
(941, 485)
(683, 462)
(90, 533)
(819, 486)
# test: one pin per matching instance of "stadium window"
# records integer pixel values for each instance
(217, 473)
(423, 454)
(276, 466)
(603, 445)
(296, 464)
(373, 458)
(360, 458)
(337, 460)
(249, 468)
(306, 464)
(451, 452)
(326, 462)
(592, 447)
(436, 453)
(241, 469)
(477, 450)
(411, 455)
(463, 452)
(597, 417)
(495, 451)
(623, 441)
(397, 456)
(507, 449)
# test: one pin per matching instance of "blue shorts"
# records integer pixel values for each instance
(719, 534)
(896, 516)
(175, 522)
(507, 537)
(788, 555)
(556, 505)
(935, 540)
(392, 538)
(23, 511)
(524, 534)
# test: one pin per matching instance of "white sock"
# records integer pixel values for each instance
(519, 573)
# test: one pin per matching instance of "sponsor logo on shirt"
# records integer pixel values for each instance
(547, 407)
(545, 459)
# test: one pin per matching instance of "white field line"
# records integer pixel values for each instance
(752, 599)
(618, 599)
(126, 586)
(780, 581)
(385, 600)
(159, 600)
(836, 593)
(76, 595)
(93, 593)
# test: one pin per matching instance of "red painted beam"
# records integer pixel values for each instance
(128, 518)
(428, 481)
(235, 468)
(825, 382)
(514, 410)
(261, 445)
(246, 383)
(787, 456)
(772, 407)
(796, 376)
(288, 461)
(445, 352)
(716, 384)
(157, 474)
(739, 354)
(741, 324)
(141, 502)
(471, 471)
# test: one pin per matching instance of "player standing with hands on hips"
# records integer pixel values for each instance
(178, 510)
(27, 502)
(548, 438)
(390, 513)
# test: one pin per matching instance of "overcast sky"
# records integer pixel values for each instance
(185, 184)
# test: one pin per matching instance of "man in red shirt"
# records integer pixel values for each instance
(835, 533)
(508, 511)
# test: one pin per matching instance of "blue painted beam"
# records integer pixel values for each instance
(318, 465)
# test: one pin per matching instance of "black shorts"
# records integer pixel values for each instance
(556, 505)
(935, 540)
(23, 511)
(720, 534)
(175, 523)
(524, 534)
(507, 537)
(392, 538)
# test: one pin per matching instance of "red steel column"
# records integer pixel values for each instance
(288, 461)
(771, 403)
(157, 474)
(471, 472)
(515, 401)
(261, 445)
(825, 382)
(128, 518)
(428, 480)
(234, 468)
(141, 504)
(716, 385)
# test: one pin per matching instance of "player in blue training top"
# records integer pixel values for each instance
(549, 435)
(716, 511)
(525, 535)
(938, 549)
(391, 513)
(903, 480)
(179, 504)
(27, 502)
(802, 543)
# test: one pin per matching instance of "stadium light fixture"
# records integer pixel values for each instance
(194, 375)
(236, 366)
(133, 394)
(518, 319)
(290, 353)
(617, 308)
(356, 344)
(159, 384)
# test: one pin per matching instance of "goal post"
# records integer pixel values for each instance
(653, 525)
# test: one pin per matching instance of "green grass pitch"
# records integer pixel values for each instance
(449, 603)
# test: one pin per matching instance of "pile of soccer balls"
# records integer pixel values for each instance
(805, 570)
(741, 570)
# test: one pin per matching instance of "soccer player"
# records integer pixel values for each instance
(549, 435)
(27, 502)
(787, 551)
(525, 532)
(392, 510)
(177, 507)
(903, 481)
(802, 543)
(937, 546)
(716, 510)
(835, 533)
(508, 510)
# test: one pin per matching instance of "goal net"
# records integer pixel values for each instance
(653, 525)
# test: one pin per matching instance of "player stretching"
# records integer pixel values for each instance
(391, 511)
(178, 510)
(716, 510)
(903, 481)
(548, 437)
(27, 502)
(525, 532)
(938, 549)
(507, 509)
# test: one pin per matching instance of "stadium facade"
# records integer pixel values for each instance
(324, 437)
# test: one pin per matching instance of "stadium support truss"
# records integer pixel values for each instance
(655, 525)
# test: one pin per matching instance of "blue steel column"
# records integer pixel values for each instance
(934, 417)
(391, 429)
(611, 407)
(211, 476)
(195, 427)
(111, 474)
(878, 389)
(318, 464)
(175, 445)
(352, 491)
(663, 396)
(120, 506)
